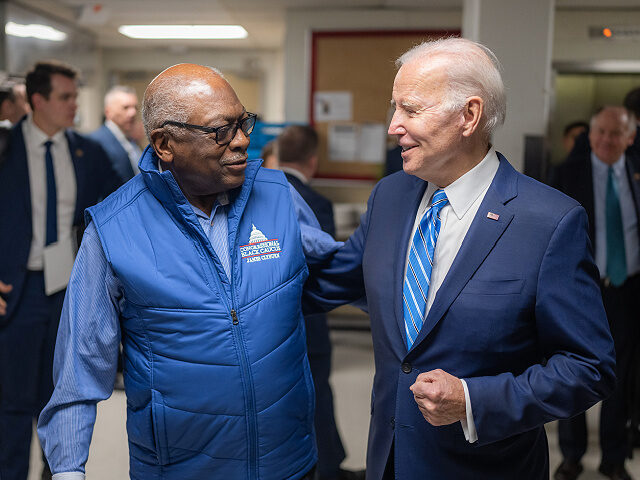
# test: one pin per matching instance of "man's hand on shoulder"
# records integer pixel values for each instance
(4, 288)
(440, 397)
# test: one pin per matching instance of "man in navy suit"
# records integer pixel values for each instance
(585, 177)
(49, 176)
(297, 148)
(116, 134)
(485, 310)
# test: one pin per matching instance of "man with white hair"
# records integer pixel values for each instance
(605, 180)
(485, 309)
(117, 133)
(197, 266)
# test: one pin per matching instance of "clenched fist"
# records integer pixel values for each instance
(440, 397)
(4, 288)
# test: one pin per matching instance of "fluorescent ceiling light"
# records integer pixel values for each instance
(35, 30)
(190, 32)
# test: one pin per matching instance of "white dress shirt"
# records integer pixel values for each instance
(133, 151)
(65, 175)
(600, 174)
(296, 173)
(465, 196)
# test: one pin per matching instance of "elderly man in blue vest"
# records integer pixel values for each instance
(197, 265)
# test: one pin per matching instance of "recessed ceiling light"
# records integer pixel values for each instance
(34, 30)
(189, 32)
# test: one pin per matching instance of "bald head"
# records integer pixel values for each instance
(176, 91)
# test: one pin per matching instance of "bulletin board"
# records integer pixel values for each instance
(359, 66)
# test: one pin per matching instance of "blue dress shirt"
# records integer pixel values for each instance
(84, 367)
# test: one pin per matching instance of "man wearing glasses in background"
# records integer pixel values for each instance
(197, 265)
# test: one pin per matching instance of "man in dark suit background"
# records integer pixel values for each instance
(49, 176)
(117, 133)
(606, 181)
(13, 102)
(483, 296)
(297, 148)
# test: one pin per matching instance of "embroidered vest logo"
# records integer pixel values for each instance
(260, 247)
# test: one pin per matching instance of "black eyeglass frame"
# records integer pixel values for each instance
(209, 130)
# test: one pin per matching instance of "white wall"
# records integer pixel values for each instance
(521, 36)
(267, 65)
(572, 42)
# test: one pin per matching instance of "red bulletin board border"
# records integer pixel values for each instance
(317, 35)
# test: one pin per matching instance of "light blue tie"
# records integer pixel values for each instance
(416, 282)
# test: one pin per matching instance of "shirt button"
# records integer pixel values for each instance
(406, 367)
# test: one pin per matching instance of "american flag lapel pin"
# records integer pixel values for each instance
(493, 216)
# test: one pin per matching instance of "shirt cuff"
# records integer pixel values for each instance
(468, 425)
(68, 476)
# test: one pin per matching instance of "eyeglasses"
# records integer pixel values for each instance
(224, 133)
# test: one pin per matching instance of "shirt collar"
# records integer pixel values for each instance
(295, 173)
(115, 129)
(602, 168)
(466, 189)
(38, 135)
(221, 201)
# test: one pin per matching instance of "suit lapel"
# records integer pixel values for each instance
(584, 184)
(482, 236)
(633, 174)
(77, 155)
(410, 197)
(18, 150)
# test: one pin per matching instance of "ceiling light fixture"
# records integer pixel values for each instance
(34, 30)
(184, 32)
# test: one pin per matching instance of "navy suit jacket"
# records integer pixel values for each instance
(95, 179)
(318, 341)
(519, 316)
(575, 178)
(115, 151)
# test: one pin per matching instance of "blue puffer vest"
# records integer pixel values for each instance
(216, 375)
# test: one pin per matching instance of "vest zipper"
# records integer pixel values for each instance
(244, 366)
(252, 420)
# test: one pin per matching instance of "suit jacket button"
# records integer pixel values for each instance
(393, 423)
(406, 367)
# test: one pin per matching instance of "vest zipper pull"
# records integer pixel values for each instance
(234, 317)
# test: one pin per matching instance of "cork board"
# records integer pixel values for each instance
(362, 63)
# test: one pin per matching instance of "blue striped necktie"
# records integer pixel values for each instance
(421, 253)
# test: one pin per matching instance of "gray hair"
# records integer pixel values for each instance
(170, 100)
(623, 114)
(115, 90)
(472, 69)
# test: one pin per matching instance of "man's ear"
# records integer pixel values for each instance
(5, 108)
(37, 99)
(162, 144)
(632, 137)
(313, 163)
(472, 115)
